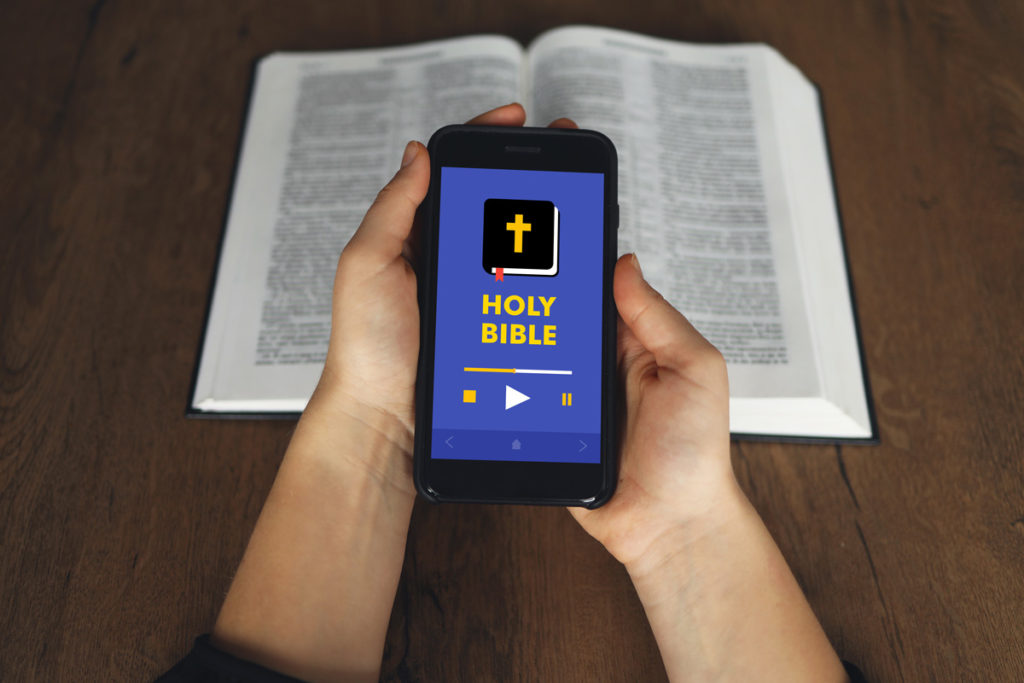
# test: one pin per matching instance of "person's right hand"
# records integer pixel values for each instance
(720, 599)
(675, 449)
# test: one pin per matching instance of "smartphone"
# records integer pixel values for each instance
(516, 378)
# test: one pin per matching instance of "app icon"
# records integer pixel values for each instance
(520, 237)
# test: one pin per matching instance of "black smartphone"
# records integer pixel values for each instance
(516, 377)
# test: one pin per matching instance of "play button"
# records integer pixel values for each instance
(513, 397)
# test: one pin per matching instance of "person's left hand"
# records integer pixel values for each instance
(370, 372)
(312, 595)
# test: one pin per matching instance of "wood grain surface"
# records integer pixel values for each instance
(121, 521)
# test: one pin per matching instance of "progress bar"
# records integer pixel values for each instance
(521, 371)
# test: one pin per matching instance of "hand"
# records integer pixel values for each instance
(370, 372)
(315, 588)
(675, 450)
(720, 599)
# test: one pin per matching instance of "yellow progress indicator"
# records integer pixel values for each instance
(521, 371)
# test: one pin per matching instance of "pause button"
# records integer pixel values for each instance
(566, 399)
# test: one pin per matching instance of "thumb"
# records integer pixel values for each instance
(389, 219)
(655, 323)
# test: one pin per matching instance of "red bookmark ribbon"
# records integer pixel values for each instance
(499, 274)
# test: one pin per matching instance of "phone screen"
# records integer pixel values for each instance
(518, 328)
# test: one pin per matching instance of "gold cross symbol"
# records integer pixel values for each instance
(519, 227)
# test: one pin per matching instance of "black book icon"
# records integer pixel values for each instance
(520, 237)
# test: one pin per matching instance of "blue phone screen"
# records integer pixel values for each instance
(517, 346)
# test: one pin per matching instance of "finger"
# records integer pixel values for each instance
(629, 347)
(659, 327)
(382, 234)
(508, 115)
(411, 245)
(580, 514)
(563, 123)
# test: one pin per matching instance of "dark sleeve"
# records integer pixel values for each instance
(207, 664)
(854, 673)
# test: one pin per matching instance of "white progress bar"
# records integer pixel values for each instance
(521, 371)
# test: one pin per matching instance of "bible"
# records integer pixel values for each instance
(725, 193)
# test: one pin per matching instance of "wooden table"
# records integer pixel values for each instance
(122, 521)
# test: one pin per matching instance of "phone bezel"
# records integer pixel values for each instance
(490, 481)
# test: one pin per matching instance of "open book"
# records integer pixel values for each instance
(725, 193)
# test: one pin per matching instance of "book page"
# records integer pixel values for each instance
(701, 196)
(325, 133)
(804, 152)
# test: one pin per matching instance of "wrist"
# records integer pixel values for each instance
(385, 401)
(346, 437)
(684, 536)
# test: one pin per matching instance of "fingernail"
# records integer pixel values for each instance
(409, 154)
(636, 264)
